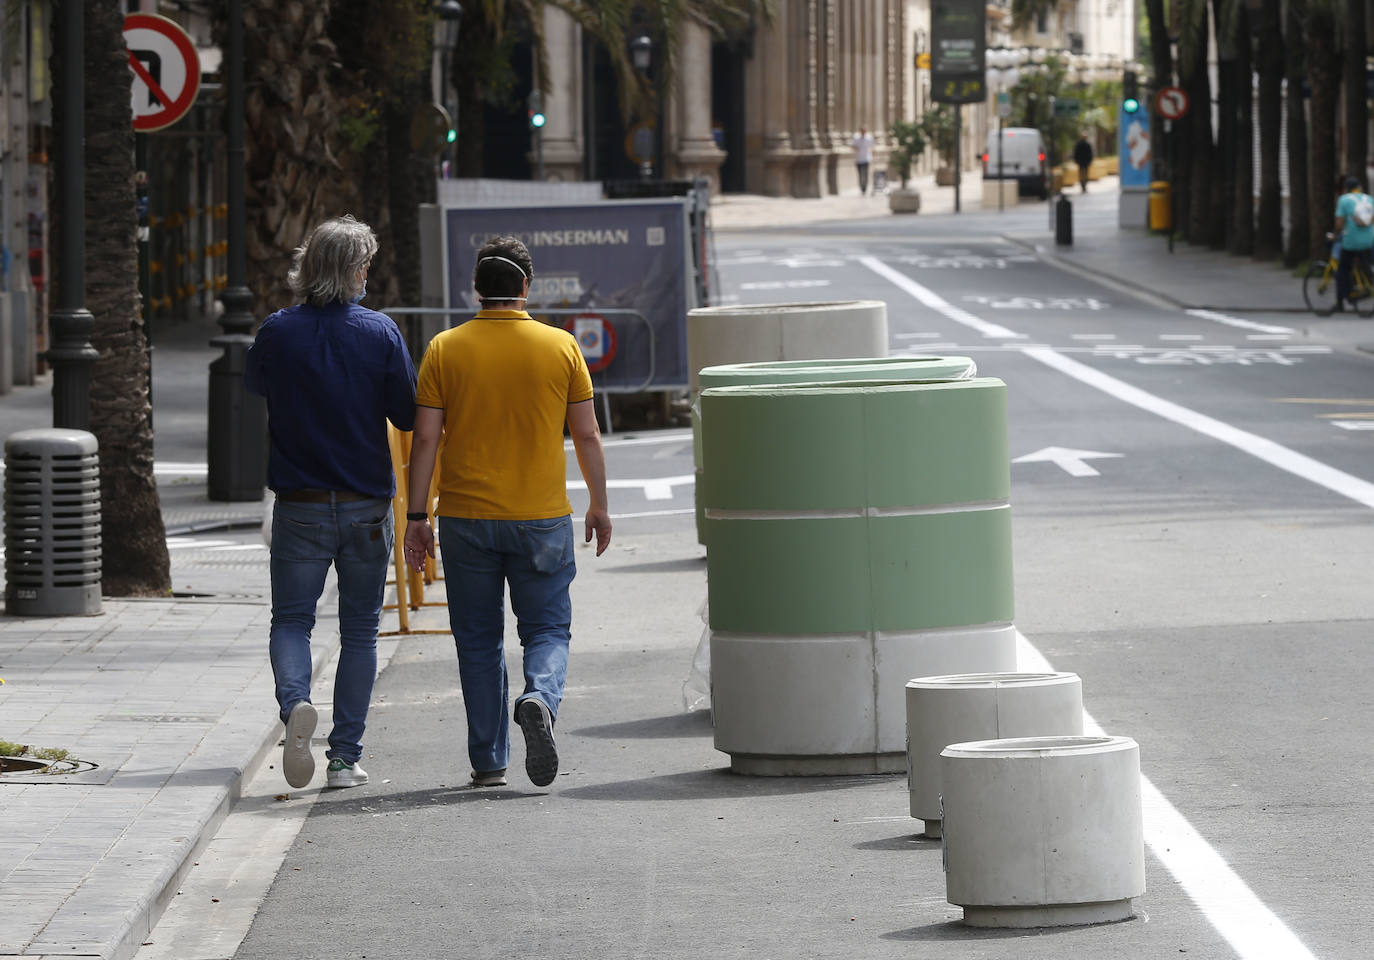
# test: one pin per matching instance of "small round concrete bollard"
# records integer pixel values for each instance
(980, 706)
(1043, 831)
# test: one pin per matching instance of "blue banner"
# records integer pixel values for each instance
(616, 254)
(1134, 150)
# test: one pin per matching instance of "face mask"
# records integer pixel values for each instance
(361, 294)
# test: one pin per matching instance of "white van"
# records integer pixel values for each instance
(1023, 160)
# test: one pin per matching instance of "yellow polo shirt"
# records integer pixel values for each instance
(504, 381)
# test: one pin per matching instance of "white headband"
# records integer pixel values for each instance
(504, 260)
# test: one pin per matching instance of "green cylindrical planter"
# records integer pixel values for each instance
(810, 371)
(860, 536)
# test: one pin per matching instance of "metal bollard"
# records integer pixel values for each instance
(1063, 222)
(52, 524)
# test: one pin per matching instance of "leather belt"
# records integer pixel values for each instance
(324, 496)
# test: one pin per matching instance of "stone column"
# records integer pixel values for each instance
(697, 153)
(769, 136)
(563, 141)
(832, 140)
(806, 170)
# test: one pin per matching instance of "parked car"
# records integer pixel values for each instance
(1022, 160)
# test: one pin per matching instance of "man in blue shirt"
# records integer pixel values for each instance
(333, 373)
(1355, 224)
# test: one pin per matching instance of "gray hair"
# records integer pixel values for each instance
(325, 268)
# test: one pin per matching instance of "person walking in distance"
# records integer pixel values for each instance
(1083, 157)
(499, 389)
(1355, 230)
(333, 373)
(863, 156)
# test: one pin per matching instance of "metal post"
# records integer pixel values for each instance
(1049, 152)
(1001, 172)
(237, 451)
(958, 158)
(1173, 155)
(71, 354)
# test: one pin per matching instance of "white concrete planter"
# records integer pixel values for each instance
(1043, 831)
(904, 200)
(747, 333)
(980, 706)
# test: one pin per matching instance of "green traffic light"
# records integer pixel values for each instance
(536, 119)
(1130, 105)
(452, 136)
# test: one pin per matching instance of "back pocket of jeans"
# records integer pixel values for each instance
(548, 544)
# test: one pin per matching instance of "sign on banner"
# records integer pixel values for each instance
(166, 70)
(595, 338)
(1135, 149)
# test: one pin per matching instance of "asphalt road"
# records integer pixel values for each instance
(1193, 536)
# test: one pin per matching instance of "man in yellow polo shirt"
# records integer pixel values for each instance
(499, 388)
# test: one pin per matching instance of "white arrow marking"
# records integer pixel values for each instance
(1071, 461)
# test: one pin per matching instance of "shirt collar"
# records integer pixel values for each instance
(493, 314)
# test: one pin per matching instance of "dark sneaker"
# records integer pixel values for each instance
(489, 778)
(541, 756)
(297, 762)
(341, 773)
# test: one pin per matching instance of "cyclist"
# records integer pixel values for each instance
(1355, 227)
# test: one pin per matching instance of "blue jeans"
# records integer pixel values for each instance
(535, 557)
(356, 537)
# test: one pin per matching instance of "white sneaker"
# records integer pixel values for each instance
(341, 773)
(297, 762)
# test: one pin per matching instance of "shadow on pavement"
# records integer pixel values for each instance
(955, 930)
(660, 566)
(717, 784)
(675, 725)
(906, 843)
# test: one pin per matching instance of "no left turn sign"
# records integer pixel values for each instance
(1171, 103)
(166, 70)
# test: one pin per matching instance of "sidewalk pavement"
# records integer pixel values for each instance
(168, 703)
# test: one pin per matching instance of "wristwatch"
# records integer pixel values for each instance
(417, 515)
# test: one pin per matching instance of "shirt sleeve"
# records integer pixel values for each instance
(255, 361)
(400, 384)
(579, 380)
(430, 392)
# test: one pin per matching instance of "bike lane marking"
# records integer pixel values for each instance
(1253, 930)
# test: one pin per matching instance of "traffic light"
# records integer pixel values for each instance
(536, 103)
(1130, 92)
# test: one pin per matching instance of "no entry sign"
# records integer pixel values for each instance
(595, 338)
(166, 70)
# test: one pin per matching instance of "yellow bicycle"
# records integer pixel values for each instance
(1319, 286)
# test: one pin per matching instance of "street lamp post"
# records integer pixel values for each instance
(1006, 65)
(450, 19)
(236, 456)
(71, 353)
(642, 58)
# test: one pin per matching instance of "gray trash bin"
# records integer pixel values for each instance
(52, 523)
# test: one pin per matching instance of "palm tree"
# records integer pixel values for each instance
(1269, 55)
(1356, 103)
(134, 545)
(1163, 68)
(1295, 73)
(1192, 55)
(1323, 71)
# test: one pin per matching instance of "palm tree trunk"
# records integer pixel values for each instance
(1242, 234)
(1320, 33)
(1356, 103)
(1269, 232)
(1224, 156)
(1295, 70)
(1202, 221)
(133, 538)
(1162, 65)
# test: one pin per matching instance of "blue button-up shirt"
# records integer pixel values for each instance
(332, 377)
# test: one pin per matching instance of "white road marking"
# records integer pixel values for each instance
(1094, 336)
(1070, 461)
(1268, 336)
(666, 436)
(1337, 481)
(653, 513)
(1238, 322)
(936, 302)
(1252, 929)
(655, 488)
(1181, 336)
(917, 336)
(1353, 424)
